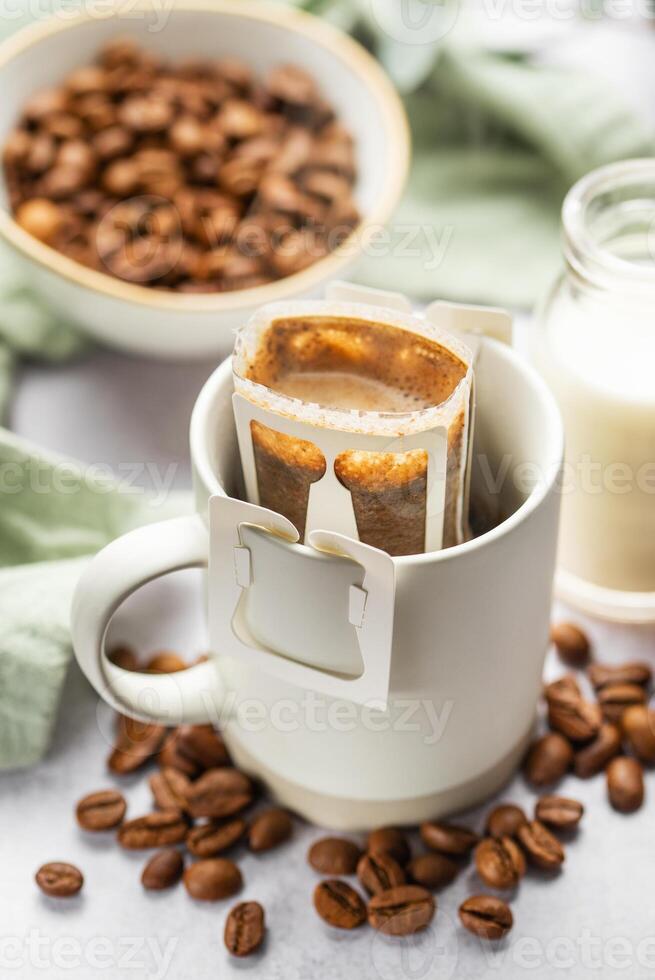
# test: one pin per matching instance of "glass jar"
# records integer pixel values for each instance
(594, 343)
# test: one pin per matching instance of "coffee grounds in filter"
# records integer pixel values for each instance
(358, 367)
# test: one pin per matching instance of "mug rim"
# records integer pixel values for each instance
(202, 467)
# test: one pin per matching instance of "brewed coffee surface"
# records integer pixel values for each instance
(337, 389)
(374, 364)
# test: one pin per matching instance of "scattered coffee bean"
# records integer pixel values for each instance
(165, 663)
(571, 644)
(163, 870)
(486, 916)
(633, 672)
(595, 756)
(192, 749)
(212, 879)
(448, 838)
(124, 657)
(379, 872)
(542, 848)
(625, 784)
(136, 743)
(169, 788)
(389, 840)
(334, 856)
(339, 905)
(101, 811)
(208, 839)
(505, 820)
(615, 698)
(572, 716)
(244, 929)
(432, 870)
(559, 812)
(566, 686)
(269, 830)
(59, 880)
(499, 862)
(154, 830)
(219, 793)
(548, 759)
(401, 911)
(638, 725)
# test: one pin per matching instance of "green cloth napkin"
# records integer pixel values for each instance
(53, 514)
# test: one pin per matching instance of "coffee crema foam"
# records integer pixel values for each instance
(415, 371)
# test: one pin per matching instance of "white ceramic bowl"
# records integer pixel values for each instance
(171, 325)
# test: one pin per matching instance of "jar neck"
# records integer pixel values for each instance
(608, 228)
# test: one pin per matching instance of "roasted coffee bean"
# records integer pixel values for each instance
(101, 811)
(543, 850)
(212, 879)
(339, 905)
(334, 856)
(208, 839)
(194, 748)
(401, 911)
(565, 686)
(163, 870)
(146, 127)
(219, 793)
(269, 829)
(154, 830)
(595, 756)
(291, 84)
(625, 784)
(505, 820)
(136, 743)
(432, 870)
(486, 916)
(571, 644)
(559, 812)
(448, 838)
(572, 716)
(115, 141)
(165, 663)
(124, 657)
(59, 880)
(41, 218)
(169, 788)
(548, 759)
(633, 672)
(379, 872)
(244, 929)
(499, 862)
(389, 840)
(638, 725)
(615, 698)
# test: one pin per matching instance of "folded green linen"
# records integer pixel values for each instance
(53, 514)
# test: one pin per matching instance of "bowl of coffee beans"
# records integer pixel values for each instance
(161, 180)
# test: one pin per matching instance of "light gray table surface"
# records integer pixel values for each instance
(595, 920)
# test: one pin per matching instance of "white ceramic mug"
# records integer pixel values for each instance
(456, 638)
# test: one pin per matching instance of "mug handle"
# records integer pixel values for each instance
(191, 696)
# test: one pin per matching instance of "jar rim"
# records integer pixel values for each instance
(590, 260)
